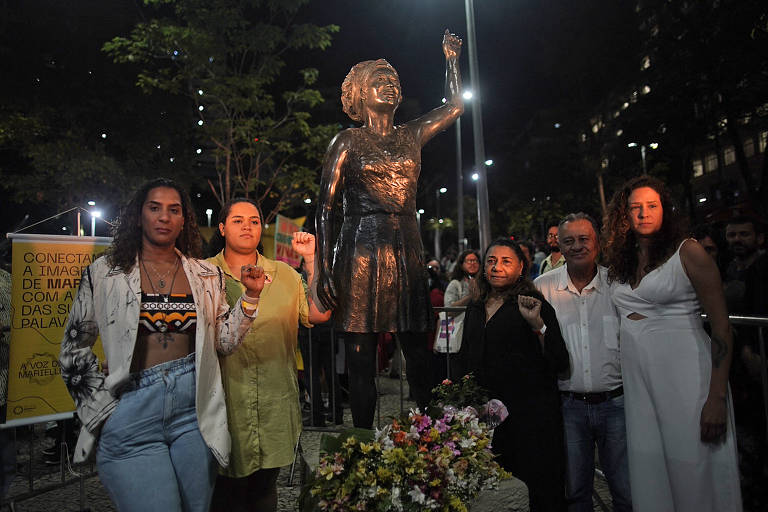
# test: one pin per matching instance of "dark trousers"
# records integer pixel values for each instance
(361, 361)
(531, 448)
(318, 354)
(256, 492)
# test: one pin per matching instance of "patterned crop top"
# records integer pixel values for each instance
(175, 313)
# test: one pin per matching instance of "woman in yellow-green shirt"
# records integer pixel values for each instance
(260, 380)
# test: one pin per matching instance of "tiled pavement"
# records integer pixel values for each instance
(511, 496)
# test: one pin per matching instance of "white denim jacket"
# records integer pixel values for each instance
(107, 304)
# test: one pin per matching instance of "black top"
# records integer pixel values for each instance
(507, 357)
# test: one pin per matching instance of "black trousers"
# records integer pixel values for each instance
(530, 446)
(361, 361)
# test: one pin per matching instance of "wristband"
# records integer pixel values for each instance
(249, 305)
(541, 331)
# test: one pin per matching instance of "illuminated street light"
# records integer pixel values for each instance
(652, 145)
(94, 215)
(467, 95)
(489, 162)
(91, 203)
(208, 213)
(475, 176)
(308, 201)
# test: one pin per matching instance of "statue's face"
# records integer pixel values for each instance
(382, 89)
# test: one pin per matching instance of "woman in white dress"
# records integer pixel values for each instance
(680, 434)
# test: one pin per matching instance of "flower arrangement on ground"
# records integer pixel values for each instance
(435, 460)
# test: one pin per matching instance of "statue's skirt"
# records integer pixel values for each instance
(380, 275)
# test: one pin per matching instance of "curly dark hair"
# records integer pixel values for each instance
(523, 286)
(218, 242)
(458, 272)
(620, 242)
(127, 233)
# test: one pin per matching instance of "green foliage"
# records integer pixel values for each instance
(228, 58)
(465, 392)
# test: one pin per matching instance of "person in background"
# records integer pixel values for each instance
(512, 342)
(555, 258)
(707, 236)
(159, 416)
(745, 290)
(260, 379)
(457, 294)
(592, 395)
(679, 414)
(745, 240)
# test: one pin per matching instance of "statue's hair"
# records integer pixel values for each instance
(352, 88)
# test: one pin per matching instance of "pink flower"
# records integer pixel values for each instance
(447, 382)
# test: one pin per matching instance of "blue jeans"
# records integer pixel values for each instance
(151, 455)
(587, 425)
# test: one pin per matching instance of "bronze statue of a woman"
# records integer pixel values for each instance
(375, 276)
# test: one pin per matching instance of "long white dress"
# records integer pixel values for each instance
(666, 365)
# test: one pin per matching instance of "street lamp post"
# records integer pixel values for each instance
(459, 188)
(441, 190)
(483, 215)
(652, 145)
(208, 213)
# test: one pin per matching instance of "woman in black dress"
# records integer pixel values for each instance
(512, 342)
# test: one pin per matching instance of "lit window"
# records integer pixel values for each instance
(595, 128)
(763, 140)
(710, 164)
(729, 155)
(749, 147)
(698, 168)
(619, 132)
(646, 89)
(701, 198)
(646, 62)
(624, 105)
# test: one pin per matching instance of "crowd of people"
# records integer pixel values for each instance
(604, 352)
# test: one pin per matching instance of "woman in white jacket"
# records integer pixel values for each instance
(159, 415)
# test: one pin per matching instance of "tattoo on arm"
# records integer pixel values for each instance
(719, 351)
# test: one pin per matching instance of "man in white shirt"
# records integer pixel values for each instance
(592, 395)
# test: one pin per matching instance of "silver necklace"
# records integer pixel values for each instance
(152, 285)
(161, 278)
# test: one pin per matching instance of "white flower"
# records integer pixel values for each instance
(396, 503)
(416, 495)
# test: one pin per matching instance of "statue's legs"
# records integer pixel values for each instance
(361, 360)
(418, 366)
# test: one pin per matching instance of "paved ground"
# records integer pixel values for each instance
(89, 491)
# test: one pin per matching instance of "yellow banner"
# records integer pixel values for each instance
(46, 272)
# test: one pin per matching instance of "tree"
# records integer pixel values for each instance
(251, 119)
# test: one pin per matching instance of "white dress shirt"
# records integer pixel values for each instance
(590, 325)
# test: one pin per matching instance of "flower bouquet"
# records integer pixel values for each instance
(422, 461)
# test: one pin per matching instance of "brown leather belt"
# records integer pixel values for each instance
(594, 398)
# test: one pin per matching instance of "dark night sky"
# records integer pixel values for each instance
(557, 55)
